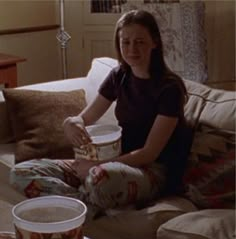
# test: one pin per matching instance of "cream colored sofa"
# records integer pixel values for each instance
(172, 217)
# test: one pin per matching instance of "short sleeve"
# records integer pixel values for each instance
(110, 86)
(170, 101)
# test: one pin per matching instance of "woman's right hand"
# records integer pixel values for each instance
(75, 131)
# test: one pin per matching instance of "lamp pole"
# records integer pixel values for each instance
(63, 37)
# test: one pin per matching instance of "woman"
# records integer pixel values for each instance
(150, 102)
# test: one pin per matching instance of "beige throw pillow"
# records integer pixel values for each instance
(36, 118)
(204, 224)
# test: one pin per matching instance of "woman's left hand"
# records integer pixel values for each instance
(82, 166)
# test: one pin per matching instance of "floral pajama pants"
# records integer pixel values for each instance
(108, 185)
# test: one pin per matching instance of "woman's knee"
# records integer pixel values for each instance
(104, 176)
(105, 185)
(117, 184)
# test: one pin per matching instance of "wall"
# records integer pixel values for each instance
(40, 48)
(18, 13)
(220, 30)
(74, 26)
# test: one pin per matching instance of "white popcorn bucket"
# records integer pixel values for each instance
(49, 217)
(106, 143)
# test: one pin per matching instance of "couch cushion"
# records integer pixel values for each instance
(99, 70)
(138, 224)
(6, 218)
(216, 108)
(7, 152)
(220, 110)
(7, 160)
(205, 224)
(36, 118)
(197, 94)
(211, 106)
(7, 193)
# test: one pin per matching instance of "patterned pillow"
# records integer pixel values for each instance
(183, 34)
(36, 118)
(210, 177)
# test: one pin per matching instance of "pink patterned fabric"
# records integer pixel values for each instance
(108, 185)
(211, 173)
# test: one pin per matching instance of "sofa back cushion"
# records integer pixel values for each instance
(220, 110)
(203, 224)
(36, 119)
(212, 107)
(207, 105)
(99, 70)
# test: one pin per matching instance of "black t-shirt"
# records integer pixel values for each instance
(138, 102)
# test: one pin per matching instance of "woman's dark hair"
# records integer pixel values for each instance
(148, 21)
(158, 68)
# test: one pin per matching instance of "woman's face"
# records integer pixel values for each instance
(136, 45)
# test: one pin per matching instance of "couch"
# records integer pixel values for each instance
(179, 216)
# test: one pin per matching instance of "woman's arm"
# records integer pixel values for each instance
(95, 110)
(158, 137)
(74, 126)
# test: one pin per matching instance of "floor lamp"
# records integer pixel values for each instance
(63, 37)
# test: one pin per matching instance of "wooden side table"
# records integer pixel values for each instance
(8, 69)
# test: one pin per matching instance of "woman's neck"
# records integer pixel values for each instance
(140, 73)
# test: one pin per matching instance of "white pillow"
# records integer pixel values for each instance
(99, 70)
(204, 224)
